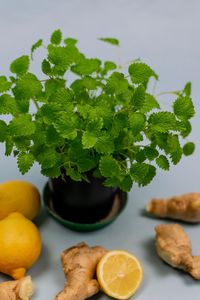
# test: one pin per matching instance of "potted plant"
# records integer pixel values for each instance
(94, 130)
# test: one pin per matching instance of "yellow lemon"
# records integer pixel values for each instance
(20, 245)
(119, 274)
(21, 196)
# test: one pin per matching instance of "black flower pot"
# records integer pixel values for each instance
(81, 202)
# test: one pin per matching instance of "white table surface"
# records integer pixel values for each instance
(165, 34)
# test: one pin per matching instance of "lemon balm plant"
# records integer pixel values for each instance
(104, 123)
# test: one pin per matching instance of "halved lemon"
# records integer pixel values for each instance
(119, 274)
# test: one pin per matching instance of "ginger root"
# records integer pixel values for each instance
(79, 266)
(184, 207)
(21, 289)
(174, 247)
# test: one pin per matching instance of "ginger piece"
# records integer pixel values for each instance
(174, 247)
(21, 289)
(184, 207)
(79, 266)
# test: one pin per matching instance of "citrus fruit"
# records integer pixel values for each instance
(21, 196)
(20, 245)
(119, 274)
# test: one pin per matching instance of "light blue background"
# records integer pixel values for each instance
(166, 35)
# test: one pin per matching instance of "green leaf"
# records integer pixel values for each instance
(176, 156)
(85, 164)
(138, 171)
(111, 182)
(138, 97)
(163, 121)
(90, 83)
(60, 57)
(137, 122)
(22, 143)
(86, 66)
(95, 125)
(20, 65)
(36, 46)
(104, 144)
(23, 105)
(27, 87)
(141, 73)
(48, 157)
(52, 137)
(64, 97)
(188, 148)
(8, 105)
(173, 148)
(56, 37)
(140, 156)
(187, 128)
(184, 108)
(22, 126)
(46, 67)
(111, 41)
(5, 85)
(149, 103)
(74, 174)
(148, 176)
(53, 85)
(9, 146)
(53, 172)
(120, 122)
(126, 184)
(150, 152)
(89, 140)
(108, 166)
(187, 89)
(117, 84)
(172, 143)
(70, 41)
(66, 127)
(50, 113)
(25, 162)
(162, 162)
(108, 66)
(74, 54)
(3, 131)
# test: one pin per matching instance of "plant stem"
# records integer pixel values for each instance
(168, 93)
(36, 104)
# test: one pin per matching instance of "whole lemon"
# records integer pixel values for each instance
(21, 196)
(20, 245)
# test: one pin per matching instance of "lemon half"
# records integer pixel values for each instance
(119, 274)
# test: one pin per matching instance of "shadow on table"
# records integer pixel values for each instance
(42, 264)
(153, 259)
(41, 218)
(100, 296)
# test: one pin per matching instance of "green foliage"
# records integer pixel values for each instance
(8, 105)
(3, 131)
(35, 46)
(163, 122)
(25, 162)
(162, 162)
(56, 37)
(141, 73)
(103, 120)
(188, 148)
(20, 65)
(183, 108)
(27, 87)
(86, 66)
(4, 84)
(111, 41)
